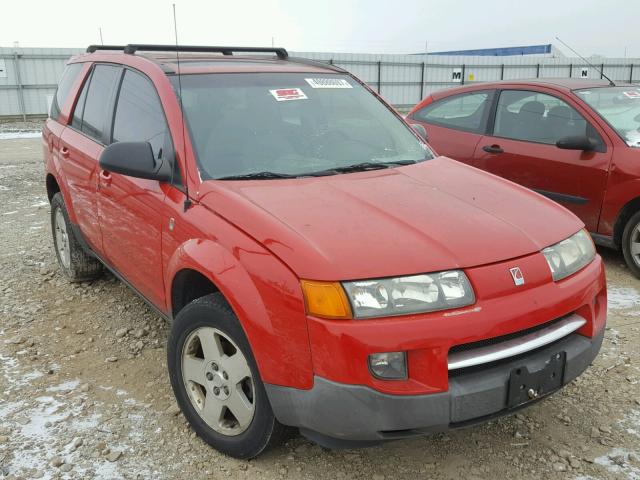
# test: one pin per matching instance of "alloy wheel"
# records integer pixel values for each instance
(634, 244)
(62, 239)
(218, 381)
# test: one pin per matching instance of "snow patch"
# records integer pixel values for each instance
(623, 298)
(16, 135)
(618, 461)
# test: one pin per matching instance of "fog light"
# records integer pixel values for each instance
(389, 365)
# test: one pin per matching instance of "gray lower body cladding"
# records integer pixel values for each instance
(335, 414)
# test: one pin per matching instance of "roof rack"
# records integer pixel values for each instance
(132, 48)
(93, 48)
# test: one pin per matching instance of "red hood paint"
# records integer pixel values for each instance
(435, 215)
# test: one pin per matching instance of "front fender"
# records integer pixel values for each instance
(265, 296)
(617, 196)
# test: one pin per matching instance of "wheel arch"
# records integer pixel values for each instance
(626, 212)
(279, 342)
(54, 184)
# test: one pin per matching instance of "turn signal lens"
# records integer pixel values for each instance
(325, 299)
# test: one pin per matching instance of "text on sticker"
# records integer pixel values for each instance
(328, 83)
(285, 94)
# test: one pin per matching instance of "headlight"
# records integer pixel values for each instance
(415, 294)
(568, 256)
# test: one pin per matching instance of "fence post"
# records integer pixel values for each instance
(502, 72)
(379, 75)
(16, 65)
(570, 70)
(422, 82)
(631, 73)
(601, 71)
(462, 75)
(538, 71)
(331, 61)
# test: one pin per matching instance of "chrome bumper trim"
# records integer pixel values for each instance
(516, 346)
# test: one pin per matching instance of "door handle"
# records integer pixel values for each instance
(492, 149)
(105, 178)
(64, 151)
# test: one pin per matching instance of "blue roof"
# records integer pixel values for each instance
(499, 52)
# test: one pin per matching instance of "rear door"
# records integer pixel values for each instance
(55, 124)
(82, 143)
(522, 148)
(131, 210)
(455, 124)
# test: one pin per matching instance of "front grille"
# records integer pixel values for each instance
(492, 341)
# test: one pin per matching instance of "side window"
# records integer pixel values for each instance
(64, 88)
(466, 111)
(139, 116)
(96, 115)
(536, 117)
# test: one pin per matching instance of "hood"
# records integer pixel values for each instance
(436, 215)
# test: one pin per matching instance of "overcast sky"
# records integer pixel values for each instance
(371, 26)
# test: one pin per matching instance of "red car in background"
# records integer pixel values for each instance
(574, 141)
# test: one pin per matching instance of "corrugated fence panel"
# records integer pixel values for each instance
(401, 79)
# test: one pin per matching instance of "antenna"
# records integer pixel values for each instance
(588, 62)
(187, 201)
(101, 41)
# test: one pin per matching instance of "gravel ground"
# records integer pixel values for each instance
(84, 391)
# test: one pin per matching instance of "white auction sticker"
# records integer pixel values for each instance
(632, 94)
(328, 83)
(286, 94)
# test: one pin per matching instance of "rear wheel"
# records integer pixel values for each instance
(75, 263)
(216, 381)
(631, 244)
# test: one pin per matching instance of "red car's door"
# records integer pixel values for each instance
(455, 124)
(522, 148)
(82, 143)
(131, 210)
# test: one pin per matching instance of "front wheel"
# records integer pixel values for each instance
(216, 381)
(631, 244)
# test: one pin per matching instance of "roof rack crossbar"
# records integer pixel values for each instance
(93, 48)
(281, 53)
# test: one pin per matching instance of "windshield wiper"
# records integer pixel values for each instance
(362, 167)
(257, 176)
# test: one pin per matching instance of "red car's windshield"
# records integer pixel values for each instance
(275, 124)
(620, 107)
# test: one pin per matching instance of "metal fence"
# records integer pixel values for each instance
(28, 76)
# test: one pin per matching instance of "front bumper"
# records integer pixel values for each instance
(337, 414)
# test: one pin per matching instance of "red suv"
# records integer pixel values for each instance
(574, 141)
(321, 268)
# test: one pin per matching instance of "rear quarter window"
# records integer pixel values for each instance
(67, 80)
(466, 111)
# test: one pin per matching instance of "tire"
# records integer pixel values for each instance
(631, 244)
(216, 381)
(74, 261)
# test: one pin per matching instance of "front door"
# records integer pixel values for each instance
(522, 148)
(131, 210)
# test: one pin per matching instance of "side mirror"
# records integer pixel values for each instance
(134, 159)
(576, 142)
(420, 130)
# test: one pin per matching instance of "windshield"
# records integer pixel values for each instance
(272, 125)
(620, 107)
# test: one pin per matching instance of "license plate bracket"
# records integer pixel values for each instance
(526, 386)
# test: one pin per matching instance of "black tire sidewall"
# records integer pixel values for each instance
(626, 244)
(212, 311)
